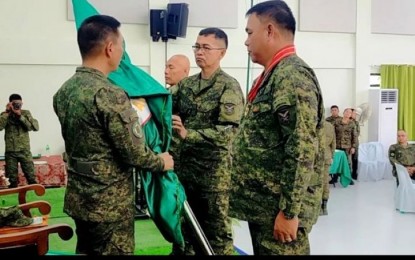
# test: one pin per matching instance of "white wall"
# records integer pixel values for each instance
(39, 52)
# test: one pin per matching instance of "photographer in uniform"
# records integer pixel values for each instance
(18, 123)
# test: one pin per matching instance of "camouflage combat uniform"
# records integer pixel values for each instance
(175, 141)
(330, 136)
(355, 156)
(346, 137)
(103, 141)
(17, 142)
(404, 155)
(332, 119)
(210, 110)
(278, 157)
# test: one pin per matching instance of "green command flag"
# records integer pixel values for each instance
(164, 193)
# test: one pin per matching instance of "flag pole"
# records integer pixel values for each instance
(200, 235)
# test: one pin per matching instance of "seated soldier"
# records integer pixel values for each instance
(402, 153)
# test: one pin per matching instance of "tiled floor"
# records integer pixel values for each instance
(362, 220)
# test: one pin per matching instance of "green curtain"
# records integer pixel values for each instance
(402, 77)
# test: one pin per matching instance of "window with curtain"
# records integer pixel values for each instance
(402, 77)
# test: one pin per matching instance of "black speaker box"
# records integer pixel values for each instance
(177, 16)
(158, 24)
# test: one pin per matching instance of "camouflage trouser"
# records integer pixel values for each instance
(211, 211)
(264, 243)
(105, 238)
(26, 163)
(326, 188)
(310, 208)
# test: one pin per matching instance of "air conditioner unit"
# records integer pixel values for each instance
(383, 123)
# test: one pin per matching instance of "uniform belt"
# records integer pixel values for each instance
(80, 166)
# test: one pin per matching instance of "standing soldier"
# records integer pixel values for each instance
(104, 141)
(334, 110)
(346, 136)
(279, 148)
(207, 109)
(17, 124)
(356, 153)
(330, 149)
(402, 153)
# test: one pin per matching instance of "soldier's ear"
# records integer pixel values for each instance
(109, 48)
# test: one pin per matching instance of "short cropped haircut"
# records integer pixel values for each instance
(278, 11)
(219, 34)
(334, 106)
(94, 31)
(15, 97)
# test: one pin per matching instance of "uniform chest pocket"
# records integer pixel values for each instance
(260, 108)
(207, 106)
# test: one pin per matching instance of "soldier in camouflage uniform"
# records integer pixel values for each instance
(103, 143)
(177, 68)
(278, 156)
(330, 136)
(346, 136)
(17, 124)
(207, 109)
(334, 110)
(402, 153)
(356, 153)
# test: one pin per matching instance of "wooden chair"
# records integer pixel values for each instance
(33, 238)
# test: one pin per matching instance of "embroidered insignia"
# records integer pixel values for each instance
(229, 109)
(284, 117)
(136, 129)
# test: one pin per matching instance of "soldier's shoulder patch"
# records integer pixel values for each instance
(284, 116)
(137, 130)
(392, 154)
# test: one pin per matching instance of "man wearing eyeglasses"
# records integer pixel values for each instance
(207, 109)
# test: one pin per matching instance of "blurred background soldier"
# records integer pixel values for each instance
(17, 124)
(402, 153)
(334, 110)
(346, 137)
(356, 152)
(330, 149)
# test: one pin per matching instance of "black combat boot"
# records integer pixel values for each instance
(334, 178)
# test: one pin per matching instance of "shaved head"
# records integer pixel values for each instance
(402, 137)
(177, 68)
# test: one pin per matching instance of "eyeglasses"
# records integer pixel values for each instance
(205, 48)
